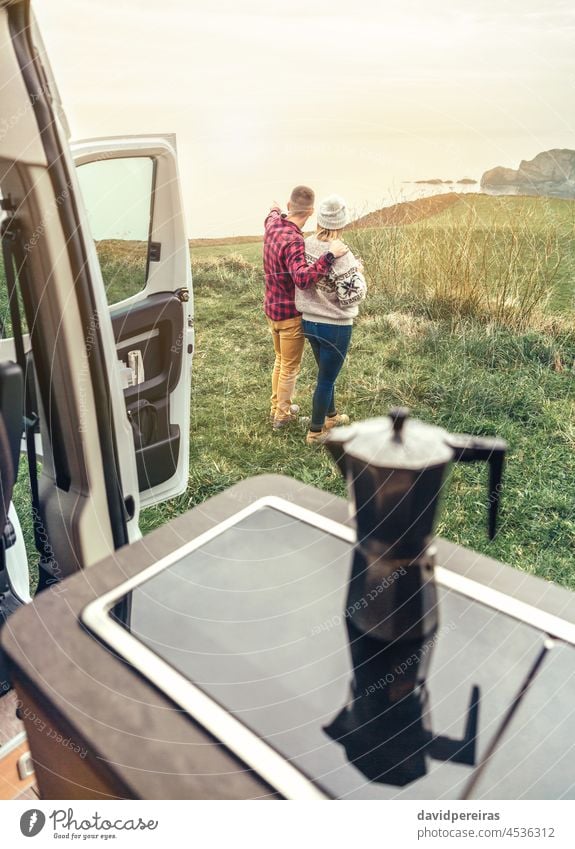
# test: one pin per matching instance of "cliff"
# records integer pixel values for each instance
(549, 173)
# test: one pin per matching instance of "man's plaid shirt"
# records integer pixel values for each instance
(285, 266)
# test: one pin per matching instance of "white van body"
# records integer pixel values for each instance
(99, 467)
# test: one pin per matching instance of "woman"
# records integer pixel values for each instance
(328, 310)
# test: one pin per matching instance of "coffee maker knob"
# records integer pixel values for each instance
(398, 416)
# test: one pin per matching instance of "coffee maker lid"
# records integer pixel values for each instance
(394, 442)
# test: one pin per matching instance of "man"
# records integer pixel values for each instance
(285, 268)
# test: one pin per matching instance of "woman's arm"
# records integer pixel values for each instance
(302, 274)
(350, 284)
(351, 288)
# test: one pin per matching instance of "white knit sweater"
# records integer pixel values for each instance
(334, 299)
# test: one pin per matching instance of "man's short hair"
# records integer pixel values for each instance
(302, 199)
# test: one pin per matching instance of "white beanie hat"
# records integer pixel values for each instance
(332, 213)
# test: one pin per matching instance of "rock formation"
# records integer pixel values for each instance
(549, 173)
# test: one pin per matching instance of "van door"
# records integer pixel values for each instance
(132, 196)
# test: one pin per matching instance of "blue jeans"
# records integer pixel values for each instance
(329, 343)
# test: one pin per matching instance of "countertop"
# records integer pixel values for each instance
(139, 742)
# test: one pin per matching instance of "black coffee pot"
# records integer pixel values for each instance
(395, 467)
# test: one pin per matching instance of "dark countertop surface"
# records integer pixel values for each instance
(150, 748)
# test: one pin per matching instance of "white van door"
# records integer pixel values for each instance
(132, 196)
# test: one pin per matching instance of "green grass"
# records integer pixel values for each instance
(505, 260)
(123, 265)
(504, 211)
(461, 374)
(250, 251)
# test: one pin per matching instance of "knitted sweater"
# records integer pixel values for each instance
(334, 299)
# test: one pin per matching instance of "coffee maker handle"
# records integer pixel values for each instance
(471, 449)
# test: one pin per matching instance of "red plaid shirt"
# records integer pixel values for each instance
(285, 266)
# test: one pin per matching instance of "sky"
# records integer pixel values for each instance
(349, 97)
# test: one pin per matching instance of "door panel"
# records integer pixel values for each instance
(153, 327)
(132, 196)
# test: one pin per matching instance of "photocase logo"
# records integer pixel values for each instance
(32, 822)
(65, 824)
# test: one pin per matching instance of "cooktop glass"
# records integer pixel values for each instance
(256, 619)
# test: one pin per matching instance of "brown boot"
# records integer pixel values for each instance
(336, 421)
(316, 437)
(292, 417)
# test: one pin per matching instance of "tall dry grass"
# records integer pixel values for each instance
(503, 274)
(226, 269)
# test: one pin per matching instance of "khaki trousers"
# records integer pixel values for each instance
(288, 342)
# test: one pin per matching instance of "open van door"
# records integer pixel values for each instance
(131, 193)
(111, 369)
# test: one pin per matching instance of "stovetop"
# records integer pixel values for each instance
(256, 618)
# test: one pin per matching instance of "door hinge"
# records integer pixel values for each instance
(183, 294)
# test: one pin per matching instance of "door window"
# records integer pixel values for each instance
(118, 196)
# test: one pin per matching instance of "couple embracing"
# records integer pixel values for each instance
(313, 289)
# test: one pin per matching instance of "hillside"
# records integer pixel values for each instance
(224, 240)
(408, 212)
(450, 210)
(503, 211)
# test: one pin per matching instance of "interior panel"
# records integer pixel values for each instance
(154, 327)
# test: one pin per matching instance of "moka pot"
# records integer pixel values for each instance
(396, 468)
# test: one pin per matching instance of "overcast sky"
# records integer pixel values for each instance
(353, 96)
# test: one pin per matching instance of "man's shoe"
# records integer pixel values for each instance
(336, 421)
(278, 424)
(316, 437)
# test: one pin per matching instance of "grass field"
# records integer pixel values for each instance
(452, 362)
(463, 375)
(477, 239)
